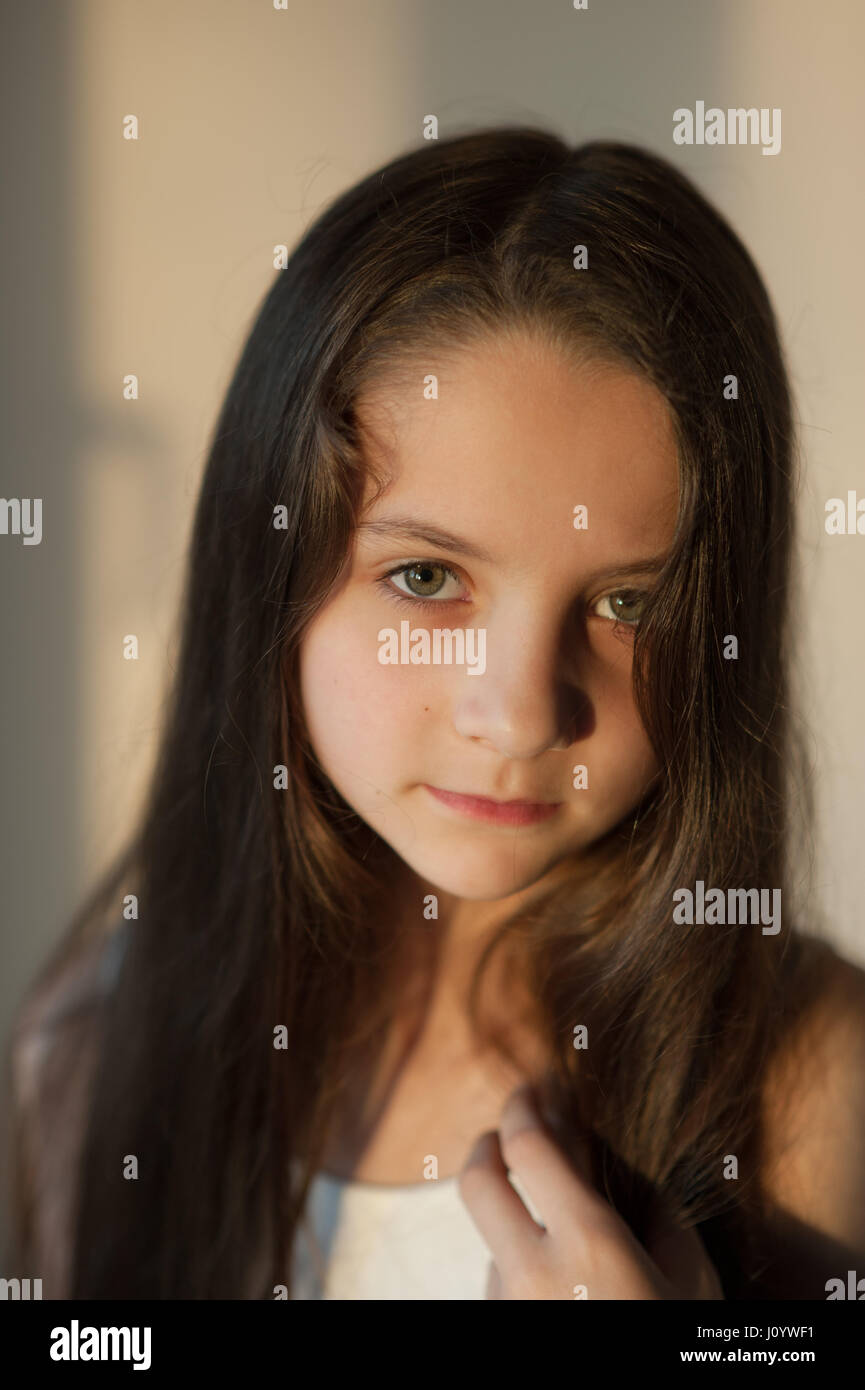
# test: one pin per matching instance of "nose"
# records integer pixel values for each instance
(525, 703)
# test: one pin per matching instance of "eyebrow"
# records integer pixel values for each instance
(413, 529)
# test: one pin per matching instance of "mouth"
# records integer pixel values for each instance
(486, 808)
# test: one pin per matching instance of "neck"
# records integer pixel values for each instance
(439, 956)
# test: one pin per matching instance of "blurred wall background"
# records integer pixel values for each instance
(151, 256)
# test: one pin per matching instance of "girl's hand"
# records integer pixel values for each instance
(584, 1249)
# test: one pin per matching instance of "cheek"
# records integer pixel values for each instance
(620, 752)
(630, 759)
(363, 717)
(617, 753)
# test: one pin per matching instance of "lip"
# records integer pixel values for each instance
(485, 808)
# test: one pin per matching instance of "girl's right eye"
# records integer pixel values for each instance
(425, 580)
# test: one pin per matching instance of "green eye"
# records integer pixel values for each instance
(425, 579)
(625, 606)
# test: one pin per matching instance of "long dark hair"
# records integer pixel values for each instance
(261, 905)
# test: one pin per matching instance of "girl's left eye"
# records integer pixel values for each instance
(622, 605)
(425, 580)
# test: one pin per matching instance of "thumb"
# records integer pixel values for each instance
(494, 1282)
(573, 1140)
(682, 1258)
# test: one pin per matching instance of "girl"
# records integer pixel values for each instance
(483, 679)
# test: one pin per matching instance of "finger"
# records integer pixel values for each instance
(558, 1190)
(494, 1282)
(575, 1146)
(499, 1216)
(683, 1259)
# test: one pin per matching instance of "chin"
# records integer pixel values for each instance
(478, 878)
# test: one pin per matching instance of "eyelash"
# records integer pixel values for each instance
(414, 600)
(621, 622)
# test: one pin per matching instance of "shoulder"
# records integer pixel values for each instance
(53, 1050)
(814, 1131)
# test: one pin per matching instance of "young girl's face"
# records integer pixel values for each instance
(476, 535)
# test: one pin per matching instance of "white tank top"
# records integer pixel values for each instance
(363, 1240)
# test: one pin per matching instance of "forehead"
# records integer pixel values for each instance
(518, 435)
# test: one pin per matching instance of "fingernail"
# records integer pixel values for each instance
(484, 1145)
(520, 1112)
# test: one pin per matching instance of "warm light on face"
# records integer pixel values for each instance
(477, 533)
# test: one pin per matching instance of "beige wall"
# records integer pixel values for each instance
(150, 257)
